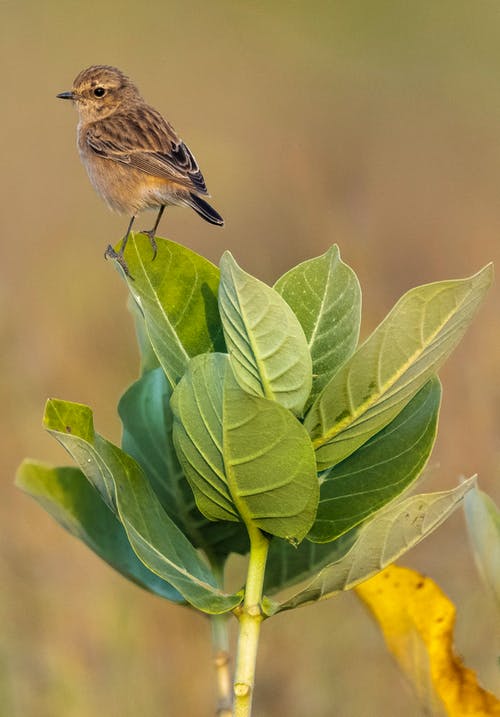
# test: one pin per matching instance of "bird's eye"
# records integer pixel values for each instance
(99, 91)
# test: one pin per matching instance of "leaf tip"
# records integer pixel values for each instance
(68, 417)
(333, 252)
(227, 259)
(21, 473)
(489, 269)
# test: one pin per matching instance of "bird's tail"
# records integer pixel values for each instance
(204, 209)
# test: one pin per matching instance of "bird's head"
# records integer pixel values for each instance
(99, 91)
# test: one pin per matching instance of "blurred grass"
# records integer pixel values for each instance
(373, 124)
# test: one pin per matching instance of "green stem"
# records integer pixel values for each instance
(250, 618)
(220, 644)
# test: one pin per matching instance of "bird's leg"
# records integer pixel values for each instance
(151, 233)
(110, 253)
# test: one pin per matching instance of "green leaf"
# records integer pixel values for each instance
(177, 295)
(380, 541)
(267, 345)
(147, 436)
(288, 564)
(68, 497)
(483, 527)
(149, 359)
(380, 470)
(376, 383)
(325, 295)
(154, 537)
(74, 428)
(352, 491)
(246, 458)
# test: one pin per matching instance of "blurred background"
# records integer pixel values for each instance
(374, 124)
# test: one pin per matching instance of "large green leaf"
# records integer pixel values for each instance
(483, 527)
(380, 541)
(154, 537)
(147, 436)
(379, 470)
(375, 384)
(395, 454)
(269, 353)
(67, 495)
(247, 458)
(177, 294)
(325, 295)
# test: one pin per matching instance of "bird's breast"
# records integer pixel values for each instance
(126, 189)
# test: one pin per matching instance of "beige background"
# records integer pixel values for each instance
(372, 124)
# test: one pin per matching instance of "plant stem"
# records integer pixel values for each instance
(220, 643)
(250, 618)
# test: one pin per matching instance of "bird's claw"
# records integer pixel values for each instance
(110, 253)
(151, 236)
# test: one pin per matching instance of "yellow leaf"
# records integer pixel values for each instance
(417, 621)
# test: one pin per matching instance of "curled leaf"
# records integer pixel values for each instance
(154, 537)
(417, 621)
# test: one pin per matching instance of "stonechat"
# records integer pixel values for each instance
(133, 156)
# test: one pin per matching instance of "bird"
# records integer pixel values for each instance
(133, 156)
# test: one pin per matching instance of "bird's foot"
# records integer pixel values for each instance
(110, 253)
(150, 233)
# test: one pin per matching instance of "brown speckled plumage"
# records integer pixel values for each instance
(133, 156)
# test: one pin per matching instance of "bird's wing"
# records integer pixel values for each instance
(142, 139)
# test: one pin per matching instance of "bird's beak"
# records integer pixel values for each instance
(66, 96)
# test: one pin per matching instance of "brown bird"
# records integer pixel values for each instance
(133, 156)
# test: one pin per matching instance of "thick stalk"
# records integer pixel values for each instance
(250, 618)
